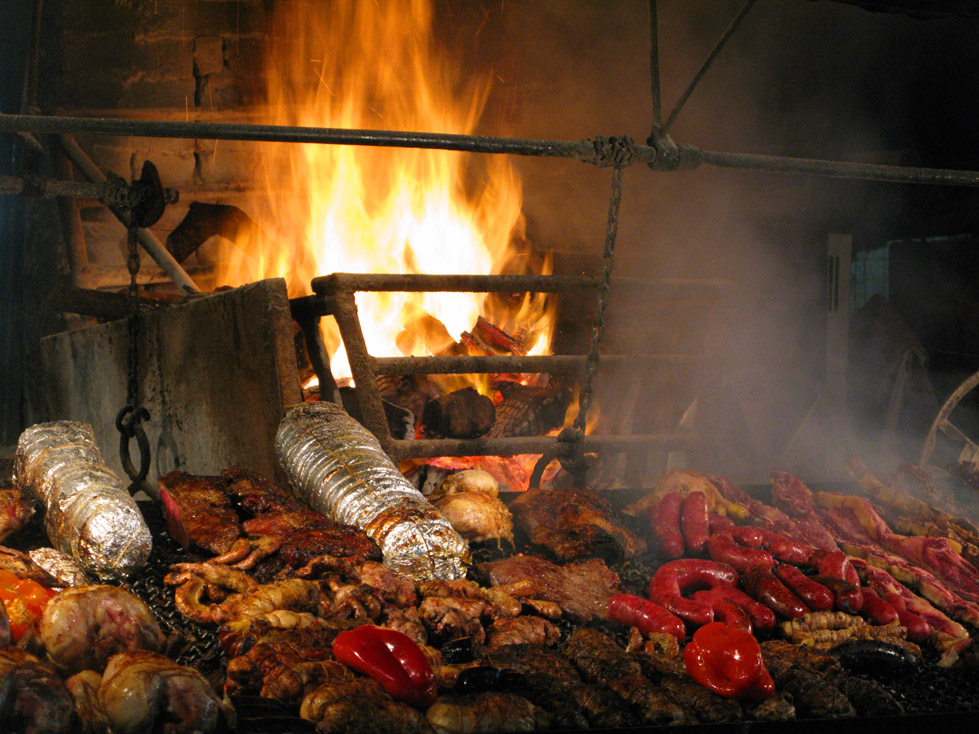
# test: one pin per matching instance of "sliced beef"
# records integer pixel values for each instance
(582, 589)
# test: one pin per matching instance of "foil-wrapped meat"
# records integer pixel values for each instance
(340, 469)
(83, 627)
(87, 511)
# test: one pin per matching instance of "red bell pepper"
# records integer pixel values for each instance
(728, 661)
(392, 659)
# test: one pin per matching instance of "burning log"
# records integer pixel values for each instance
(460, 414)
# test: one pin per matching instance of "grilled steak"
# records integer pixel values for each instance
(574, 524)
(199, 512)
(581, 589)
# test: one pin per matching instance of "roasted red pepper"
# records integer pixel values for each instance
(392, 659)
(24, 600)
(728, 661)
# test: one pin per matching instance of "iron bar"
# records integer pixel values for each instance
(583, 150)
(195, 130)
(51, 188)
(691, 157)
(557, 364)
(518, 445)
(729, 31)
(654, 64)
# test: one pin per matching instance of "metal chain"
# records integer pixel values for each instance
(130, 417)
(569, 450)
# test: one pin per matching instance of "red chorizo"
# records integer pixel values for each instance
(720, 522)
(817, 597)
(675, 578)
(784, 548)
(875, 609)
(835, 564)
(665, 524)
(723, 548)
(762, 618)
(695, 521)
(646, 616)
(765, 586)
(724, 611)
(849, 598)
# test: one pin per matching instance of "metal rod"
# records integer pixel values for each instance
(654, 64)
(691, 157)
(147, 239)
(516, 146)
(549, 363)
(420, 282)
(516, 445)
(196, 130)
(706, 65)
(361, 367)
(50, 188)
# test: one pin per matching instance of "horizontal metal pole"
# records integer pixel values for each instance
(292, 134)
(691, 157)
(49, 188)
(504, 364)
(517, 445)
(584, 150)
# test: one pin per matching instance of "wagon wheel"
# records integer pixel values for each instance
(943, 425)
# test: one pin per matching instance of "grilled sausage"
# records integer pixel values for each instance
(784, 548)
(876, 609)
(849, 598)
(674, 578)
(695, 521)
(646, 616)
(817, 597)
(665, 524)
(724, 611)
(723, 549)
(835, 564)
(765, 586)
(762, 618)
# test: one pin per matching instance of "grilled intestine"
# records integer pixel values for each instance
(88, 513)
(82, 627)
(340, 469)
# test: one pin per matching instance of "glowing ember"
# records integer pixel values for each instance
(357, 64)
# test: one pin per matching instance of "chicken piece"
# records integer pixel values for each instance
(525, 629)
(477, 517)
(144, 690)
(84, 688)
(490, 711)
(84, 626)
(33, 700)
(360, 706)
(574, 524)
(15, 510)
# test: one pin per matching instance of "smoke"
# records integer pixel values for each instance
(811, 79)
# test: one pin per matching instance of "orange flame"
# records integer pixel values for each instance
(376, 65)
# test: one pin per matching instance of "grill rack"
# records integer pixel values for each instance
(334, 295)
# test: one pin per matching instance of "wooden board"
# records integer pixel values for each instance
(216, 375)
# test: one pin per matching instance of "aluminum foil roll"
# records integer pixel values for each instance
(339, 468)
(88, 513)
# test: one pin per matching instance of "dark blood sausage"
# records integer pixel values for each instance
(675, 578)
(875, 609)
(849, 598)
(648, 617)
(835, 564)
(665, 523)
(784, 548)
(762, 618)
(766, 588)
(817, 597)
(724, 548)
(695, 521)
(724, 611)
